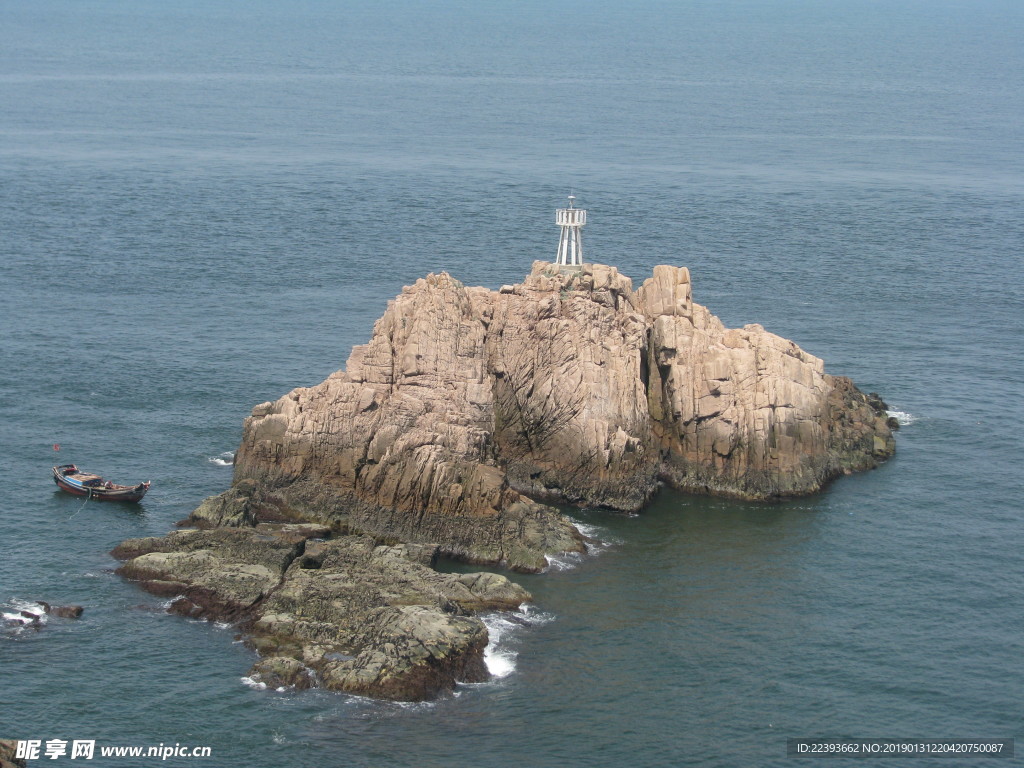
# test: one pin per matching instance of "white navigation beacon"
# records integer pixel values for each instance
(570, 245)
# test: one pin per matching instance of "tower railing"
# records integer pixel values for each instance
(568, 217)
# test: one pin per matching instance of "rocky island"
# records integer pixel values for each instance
(446, 434)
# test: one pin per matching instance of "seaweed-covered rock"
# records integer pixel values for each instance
(344, 613)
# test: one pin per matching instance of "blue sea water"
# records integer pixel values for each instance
(203, 205)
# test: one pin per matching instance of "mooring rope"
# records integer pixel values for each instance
(87, 497)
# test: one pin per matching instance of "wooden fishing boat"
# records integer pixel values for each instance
(70, 478)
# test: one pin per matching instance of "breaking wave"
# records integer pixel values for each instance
(563, 561)
(902, 417)
(14, 618)
(503, 630)
(256, 685)
(595, 539)
(225, 459)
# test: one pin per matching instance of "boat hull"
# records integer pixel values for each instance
(73, 483)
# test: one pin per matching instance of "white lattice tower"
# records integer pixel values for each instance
(570, 244)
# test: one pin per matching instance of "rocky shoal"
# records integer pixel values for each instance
(343, 612)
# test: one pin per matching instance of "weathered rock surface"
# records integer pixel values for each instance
(571, 387)
(343, 613)
(63, 611)
(8, 752)
(745, 412)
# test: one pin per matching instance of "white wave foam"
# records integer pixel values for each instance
(394, 707)
(14, 612)
(902, 417)
(597, 538)
(563, 561)
(596, 541)
(531, 616)
(500, 661)
(256, 685)
(502, 629)
(28, 606)
(225, 459)
(166, 604)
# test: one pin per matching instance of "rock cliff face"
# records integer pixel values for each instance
(744, 412)
(570, 387)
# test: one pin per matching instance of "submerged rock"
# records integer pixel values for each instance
(20, 614)
(345, 613)
(63, 611)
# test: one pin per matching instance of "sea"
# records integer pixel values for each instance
(206, 204)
